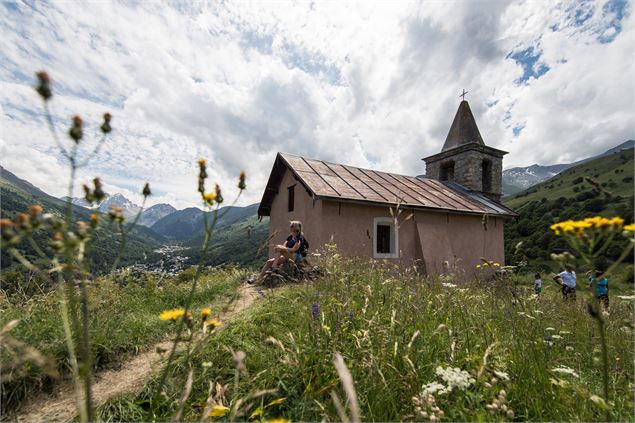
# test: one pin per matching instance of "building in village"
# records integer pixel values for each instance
(456, 220)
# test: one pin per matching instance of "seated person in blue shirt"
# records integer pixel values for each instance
(290, 250)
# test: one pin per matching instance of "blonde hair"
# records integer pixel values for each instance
(296, 225)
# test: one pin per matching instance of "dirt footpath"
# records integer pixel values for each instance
(61, 406)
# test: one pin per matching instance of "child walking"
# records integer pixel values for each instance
(538, 285)
(567, 280)
(602, 287)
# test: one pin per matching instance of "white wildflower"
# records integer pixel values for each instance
(569, 348)
(433, 388)
(455, 377)
(564, 332)
(565, 370)
(556, 337)
(448, 285)
(550, 328)
(538, 312)
(626, 297)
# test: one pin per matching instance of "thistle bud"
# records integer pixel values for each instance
(8, 232)
(23, 221)
(241, 181)
(219, 197)
(44, 85)
(146, 190)
(98, 193)
(57, 243)
(35, 210)
(201, 185)
(76, 132)
(105, 127)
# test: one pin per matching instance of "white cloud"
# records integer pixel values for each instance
(368, 84)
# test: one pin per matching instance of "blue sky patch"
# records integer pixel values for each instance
(518, 129)
(528, 59)
(616, 8)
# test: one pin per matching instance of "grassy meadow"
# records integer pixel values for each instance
(453, 344)
(124, 319)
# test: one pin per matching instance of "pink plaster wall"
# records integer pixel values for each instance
(433, 237)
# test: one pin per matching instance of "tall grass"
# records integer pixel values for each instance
(393, 329)
(124, 320)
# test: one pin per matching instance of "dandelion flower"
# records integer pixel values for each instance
(213, 323)
(218, 411)
(206, 312)
(172, 314)
(209, 197)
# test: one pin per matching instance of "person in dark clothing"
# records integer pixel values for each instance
(290, 250)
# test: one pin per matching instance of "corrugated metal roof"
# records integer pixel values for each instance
(341, 182)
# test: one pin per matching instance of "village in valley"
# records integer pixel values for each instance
(280, 212)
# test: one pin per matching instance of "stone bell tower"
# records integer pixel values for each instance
(466, 160)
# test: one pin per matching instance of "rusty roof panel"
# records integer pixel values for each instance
(317, 184)
(320, 167)
(297, 163)
(352, 183)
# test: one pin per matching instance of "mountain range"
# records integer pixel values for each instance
(517, 179)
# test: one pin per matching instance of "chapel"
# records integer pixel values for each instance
(451, 217)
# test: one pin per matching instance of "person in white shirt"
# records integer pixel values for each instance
(567, 279)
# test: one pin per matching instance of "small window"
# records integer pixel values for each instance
(386, 242)
(291, 198)
(447, 171)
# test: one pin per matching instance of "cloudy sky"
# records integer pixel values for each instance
(369, 84)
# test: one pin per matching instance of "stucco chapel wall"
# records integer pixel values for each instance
(305, 210)
(429, 238)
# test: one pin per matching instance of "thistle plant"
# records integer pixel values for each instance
(589, 238)
(70, 243)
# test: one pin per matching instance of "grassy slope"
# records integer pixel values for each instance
(393, 331)
(124, 319)
(609, 169)
(240, 243)
(569, 196)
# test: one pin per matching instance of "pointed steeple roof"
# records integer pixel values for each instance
(463, 130)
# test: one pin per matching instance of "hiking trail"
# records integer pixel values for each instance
(61, 405)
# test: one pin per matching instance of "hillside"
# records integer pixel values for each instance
(17, 195)
(570, 196)
(183, 224)
(243, 243)
(518, 179)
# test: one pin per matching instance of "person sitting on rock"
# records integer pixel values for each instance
(290, 250)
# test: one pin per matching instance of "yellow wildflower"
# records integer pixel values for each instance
(629, 228)
(617, 222)
(496, 265)
(201, 163)
(172, 314)
(478, 266)
(218, 411)
(209, 197)
(278, 420)
(206, 312)
(213, 323)
(485, 264)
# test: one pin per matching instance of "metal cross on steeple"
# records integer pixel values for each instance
(463, 94)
